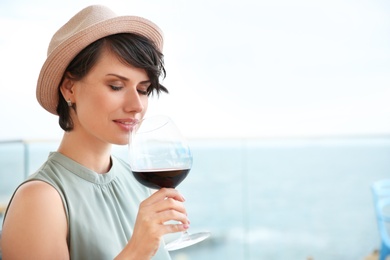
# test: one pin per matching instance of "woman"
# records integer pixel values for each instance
(83, 203)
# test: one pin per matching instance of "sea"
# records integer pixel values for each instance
(280, 198)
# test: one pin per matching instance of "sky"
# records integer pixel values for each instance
(235, 69)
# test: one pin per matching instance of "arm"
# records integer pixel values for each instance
(35, 226)
(164, 205)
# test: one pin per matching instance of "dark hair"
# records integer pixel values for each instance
(132, 49)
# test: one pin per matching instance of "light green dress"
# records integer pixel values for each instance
(101, 208)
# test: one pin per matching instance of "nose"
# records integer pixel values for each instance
(134, 101)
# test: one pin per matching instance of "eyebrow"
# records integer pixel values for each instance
(127, 79)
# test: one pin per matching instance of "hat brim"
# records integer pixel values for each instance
(57, 61)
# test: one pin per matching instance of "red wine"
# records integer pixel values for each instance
(164, 178)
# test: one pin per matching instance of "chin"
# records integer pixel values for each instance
(124, 141)
(120, 142)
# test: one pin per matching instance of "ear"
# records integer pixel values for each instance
(67, 87)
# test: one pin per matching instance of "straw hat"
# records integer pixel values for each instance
(90, 24)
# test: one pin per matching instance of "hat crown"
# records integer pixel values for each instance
(82, 20)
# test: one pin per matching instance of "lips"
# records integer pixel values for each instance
(126, 124)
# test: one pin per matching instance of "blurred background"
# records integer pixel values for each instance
(285, 104)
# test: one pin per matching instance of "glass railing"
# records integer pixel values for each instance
(262, 199)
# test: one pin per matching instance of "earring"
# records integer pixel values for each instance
(69, 103)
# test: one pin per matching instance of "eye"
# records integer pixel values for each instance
(115, 88)
(142, 92)
(143, 89)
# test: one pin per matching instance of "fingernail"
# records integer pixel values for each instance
(186, 226)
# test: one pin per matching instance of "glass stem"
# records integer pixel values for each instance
(185, 236)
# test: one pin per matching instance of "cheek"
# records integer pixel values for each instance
(91, 107)
(145, 104)
(87, 115)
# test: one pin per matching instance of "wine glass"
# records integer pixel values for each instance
(161, 158)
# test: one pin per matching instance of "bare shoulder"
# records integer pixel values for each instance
(36, 199)
(35, 225)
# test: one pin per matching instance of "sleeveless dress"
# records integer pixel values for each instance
(101, 209)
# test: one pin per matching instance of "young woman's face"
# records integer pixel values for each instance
(109, 99)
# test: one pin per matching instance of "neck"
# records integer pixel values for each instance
(93, 154)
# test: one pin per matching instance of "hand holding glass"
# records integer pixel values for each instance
(160, 157)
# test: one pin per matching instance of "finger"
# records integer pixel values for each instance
(170, 204)
(173, 228)
(169, 215)
(170, 193)
(164, 193)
